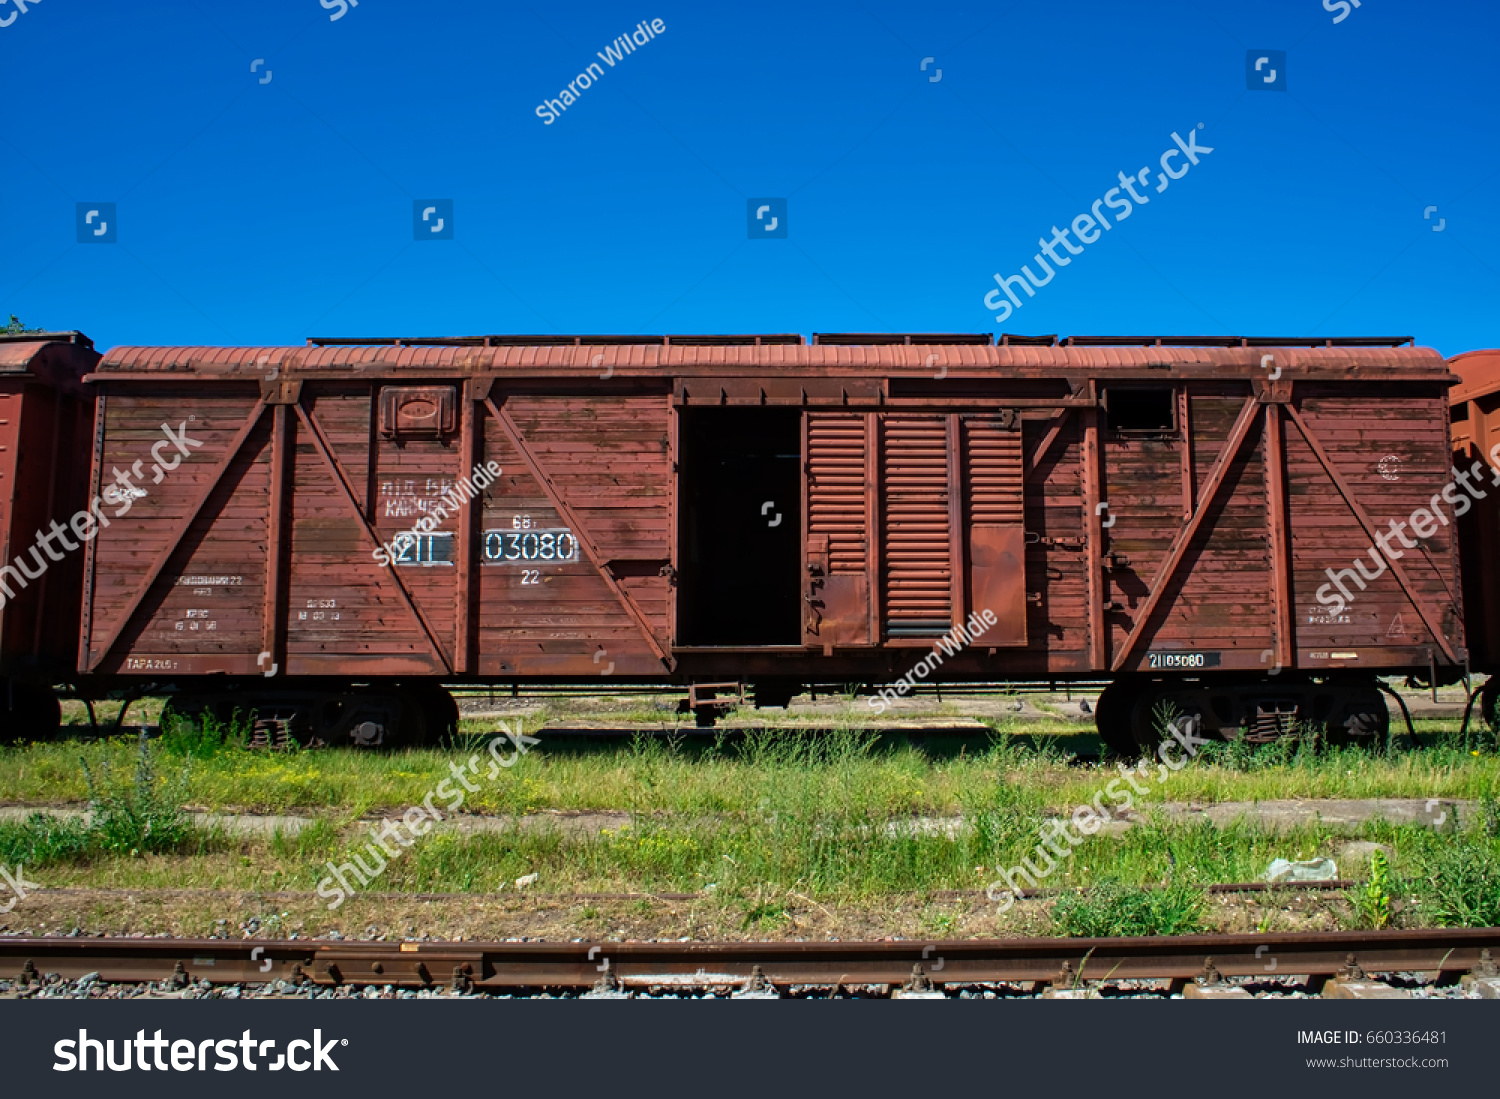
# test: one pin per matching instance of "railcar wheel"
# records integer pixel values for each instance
(1112, 717)
(28, 713)
(1359, 717)
(438, 717)
(1155, 704)
(1489, 696)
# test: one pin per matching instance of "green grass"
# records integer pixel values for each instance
(761, 817)
(756, 867)
(1459, 881)
(880, 775)
(133, 813)
(799, 841)
(1111, 909)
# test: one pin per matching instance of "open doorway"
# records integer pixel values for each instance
(740, 527)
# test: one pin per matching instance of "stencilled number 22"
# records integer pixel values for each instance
(531, 576)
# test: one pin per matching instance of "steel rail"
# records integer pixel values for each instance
(501, 966)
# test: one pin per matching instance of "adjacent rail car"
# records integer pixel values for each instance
(355, 522)
(1476, 453)
(46, 417)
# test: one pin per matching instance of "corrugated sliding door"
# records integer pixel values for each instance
(916, 552)
(993, 508)
(838, 446)
(895, 549)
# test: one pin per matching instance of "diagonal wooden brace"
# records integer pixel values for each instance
(1185, 536)
(340, 478)
(570, 519)
(175, 537)
(1316, 445)
(1058, 421)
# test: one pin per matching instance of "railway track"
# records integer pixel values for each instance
(1340, 960)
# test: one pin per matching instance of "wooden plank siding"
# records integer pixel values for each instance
(910, 492)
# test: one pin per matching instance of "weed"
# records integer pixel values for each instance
(1461, 884)
(941, 923)
(201, 736)
(314, 842)
(137, 815)
(1111, 909)
(462, 741)
(764, 912)
(1296, 747)
(1163, 714)
(1372, 901)
(42, 839)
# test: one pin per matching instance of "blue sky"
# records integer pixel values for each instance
(252, 212)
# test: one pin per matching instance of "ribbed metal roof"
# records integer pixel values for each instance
(1480, 374)
(775, 357)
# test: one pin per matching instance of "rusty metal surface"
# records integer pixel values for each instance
(480, 965)
(46, 417)
(1475, 416)
(1478, 374)
(924, 498)
(918, 582)
(1339, 361)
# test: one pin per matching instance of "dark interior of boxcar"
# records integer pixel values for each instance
(740, 526)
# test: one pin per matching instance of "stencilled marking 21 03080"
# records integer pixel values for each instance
(529, 547)
(1182, 660)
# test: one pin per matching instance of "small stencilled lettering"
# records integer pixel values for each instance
(321, 610)
(196, 619)
(412, 497)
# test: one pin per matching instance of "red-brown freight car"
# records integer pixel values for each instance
(1178, 514)
(1476, 452)
(45, 419)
